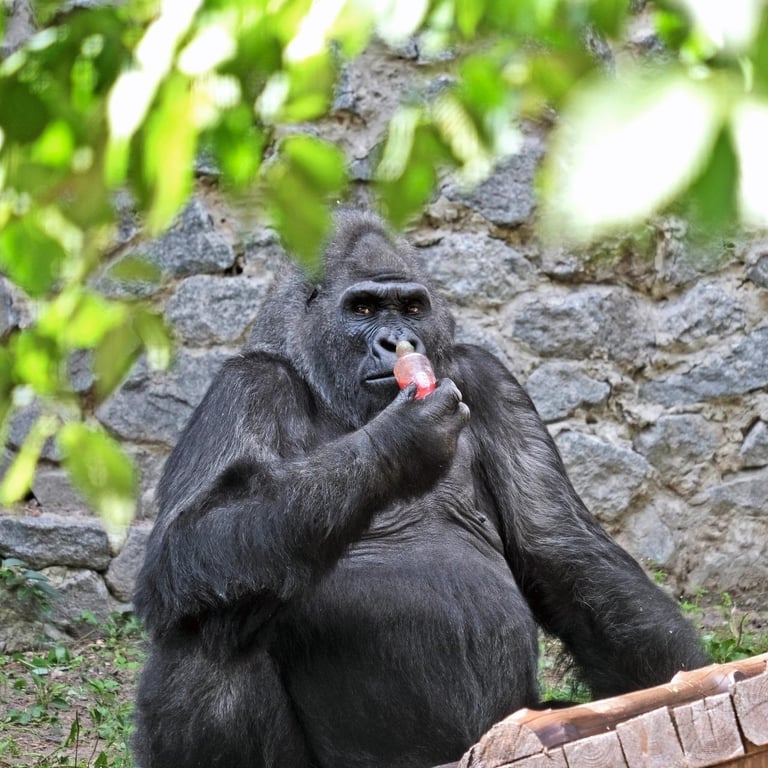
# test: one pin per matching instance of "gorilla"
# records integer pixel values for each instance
(342, 575)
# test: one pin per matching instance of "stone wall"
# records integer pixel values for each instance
(647, 357)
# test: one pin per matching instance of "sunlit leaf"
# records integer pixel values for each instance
(750, 128)
(134, 269)
(623, 149)
(169, 151)
(30, 257)
(113, 357)
(405, 194)
(308, 174)
(468, 16)
(154, 336)
(18, 478)
(56, 146)
(37, 361)
(101, 471)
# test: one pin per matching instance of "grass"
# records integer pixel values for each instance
(70, 706)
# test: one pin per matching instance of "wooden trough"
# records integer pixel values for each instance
(717, 715)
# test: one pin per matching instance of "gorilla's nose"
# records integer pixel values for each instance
(386, 340)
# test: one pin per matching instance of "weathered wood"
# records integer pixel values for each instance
(755, 757)
(552, 759)
(528, 732)
(595, 752)
(708, 731)
(650, 741)
(750, 699)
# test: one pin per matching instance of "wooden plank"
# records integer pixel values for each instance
(708, 731)
(650, 741)
(528, 732)
(755, 757)
(551, 759)
(595, 752)
(504, 743)
(750, 699)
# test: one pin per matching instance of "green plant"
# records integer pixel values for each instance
(31, 588)
(83, 691)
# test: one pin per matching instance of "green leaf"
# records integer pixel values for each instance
(134, 269)
(170, 140)
(404, 194)
(306, 176)
(713, 193)
(113, 357)
(30, 257)
(468, 16)
(101, 471)
(56, 146)
(6, 385)
(29, 116)
(609, 15)
(18, 479)
(154, 336)
(37, 361)
(625, 148)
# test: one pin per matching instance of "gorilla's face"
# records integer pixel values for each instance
(372, 297)
(375, 315)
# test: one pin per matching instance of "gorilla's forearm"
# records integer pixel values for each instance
(263, 530)
(623, 632)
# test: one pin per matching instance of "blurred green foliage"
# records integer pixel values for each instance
(124, 96)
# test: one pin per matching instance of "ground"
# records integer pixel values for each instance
(71, 705)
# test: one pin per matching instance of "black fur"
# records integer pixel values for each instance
(341, 575)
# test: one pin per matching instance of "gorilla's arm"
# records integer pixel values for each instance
(253, 502)
(622, 630)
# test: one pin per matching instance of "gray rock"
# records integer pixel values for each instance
(742, 370)
(647, 537)
(705, 310)
(81, 591)
(154, 406)
(20, 424)
(475, 269)
(209, 310)
(558, 389)
(606, 476)
(595, 321)
(22, 627)
(55, 540)
(190, 246)
(675, 443)
(9, 317)
(754, 449)
(506, 197)
(758, 273)
(121, 574)
(746, 493)
(54, 492)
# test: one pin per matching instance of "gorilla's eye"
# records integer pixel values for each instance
(413, 309)
(362, 309)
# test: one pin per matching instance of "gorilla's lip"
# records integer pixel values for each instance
(381, 378)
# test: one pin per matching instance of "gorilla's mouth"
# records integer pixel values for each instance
(380, 379)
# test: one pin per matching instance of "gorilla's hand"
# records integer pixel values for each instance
(416, 439)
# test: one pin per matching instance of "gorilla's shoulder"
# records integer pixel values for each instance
(473, 362)
(258, 375)
(485, 381)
